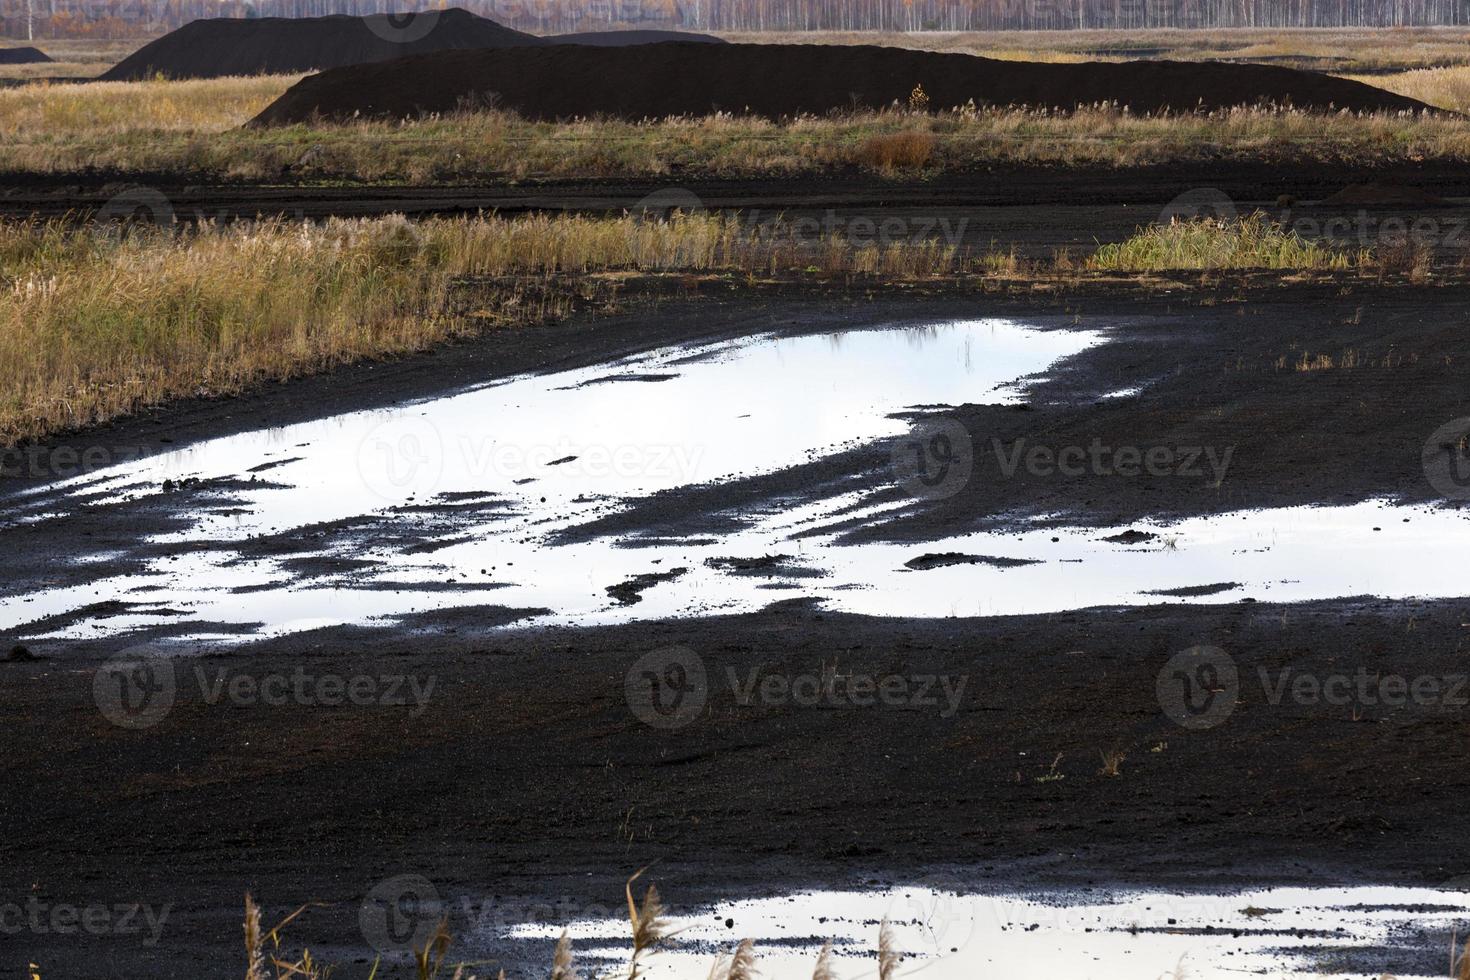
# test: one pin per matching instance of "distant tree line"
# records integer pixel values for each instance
(124, 18)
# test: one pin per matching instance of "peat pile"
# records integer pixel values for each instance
(564, 81)
(618, 39)
(222, 46)
(22, 56)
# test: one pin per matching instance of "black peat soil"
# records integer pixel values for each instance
(219, 46)
(23, 56)
(563, 81)
(528, 771)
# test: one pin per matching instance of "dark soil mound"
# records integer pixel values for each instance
(22, 56)
(280, 45)
(563, 81)
(619, 39)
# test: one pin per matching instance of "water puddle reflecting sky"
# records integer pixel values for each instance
(947, 933)
(454, 502)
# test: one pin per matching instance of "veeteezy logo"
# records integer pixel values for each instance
(669, 688)
(1446, 459)
(137, 690)
(310, 690)
(63, 919)
(1098, 458)
(829, 689)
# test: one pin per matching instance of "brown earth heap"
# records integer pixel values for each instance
(216, 47)
(557, 82)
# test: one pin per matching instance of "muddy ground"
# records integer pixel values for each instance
(1021, 189)
(530, 772)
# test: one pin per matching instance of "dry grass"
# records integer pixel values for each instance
(254, 941)
(824, 969)
(888, 955)
(1112, 762)
(1337, 49)
(79, 58)
(648, 925)
(48, 110)
(646, 921)
(98, 320)
(1252, 242)
(94, 322)
(740, 965)
(190, 129)
(302, 966)
(1447, 88)
(908, 150)
(562, 965)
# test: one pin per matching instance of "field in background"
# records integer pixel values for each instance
(191, 128)
(61, 111)
(1339, 51)
(1448, 88)
(1345, 51)
(73, 59)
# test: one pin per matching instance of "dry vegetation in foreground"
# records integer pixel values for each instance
(189, 129)
(649, 930)
(96, 321)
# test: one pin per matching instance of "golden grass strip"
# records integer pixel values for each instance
(190, 129)
(1446, 88)
(54, 110)
(95, 322)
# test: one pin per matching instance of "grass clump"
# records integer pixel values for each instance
(1252, 242)
(1112, 762)
(908, 150)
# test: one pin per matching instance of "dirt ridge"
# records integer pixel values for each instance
(773, 80)
(23, 56)
(219, 46)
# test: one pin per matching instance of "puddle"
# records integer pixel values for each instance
(947, 934)
(454, 502)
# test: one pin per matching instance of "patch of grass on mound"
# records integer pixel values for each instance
(1252, 242)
